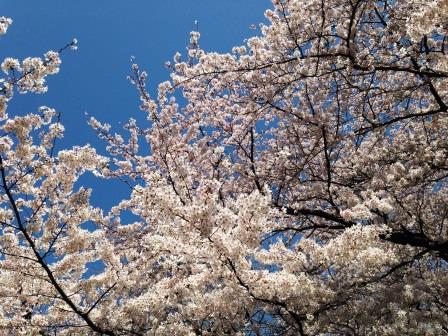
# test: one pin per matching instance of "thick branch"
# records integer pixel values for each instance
(417, 240)
(316, 213)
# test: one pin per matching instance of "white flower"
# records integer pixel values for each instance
(10, 64)
(4, 24)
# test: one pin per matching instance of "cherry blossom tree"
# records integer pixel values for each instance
(296, 186)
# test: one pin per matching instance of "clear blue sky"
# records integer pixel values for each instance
(93, 79)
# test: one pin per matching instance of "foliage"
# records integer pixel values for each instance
(299, 187)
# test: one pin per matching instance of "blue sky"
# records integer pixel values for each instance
(93, 79)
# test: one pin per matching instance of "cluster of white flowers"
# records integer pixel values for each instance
(3, 107)
(4, 24)
(430, 16)
(300, 188)
(10, 64)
